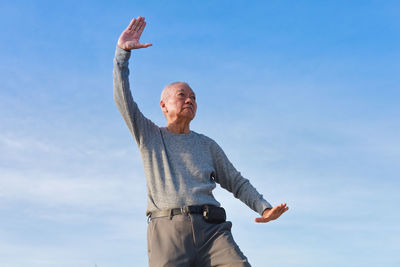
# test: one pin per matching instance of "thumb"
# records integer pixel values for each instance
(144, 45)
(260, 220)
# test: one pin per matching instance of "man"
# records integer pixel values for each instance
(187, 226)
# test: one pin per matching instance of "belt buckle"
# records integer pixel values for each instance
(185, 210)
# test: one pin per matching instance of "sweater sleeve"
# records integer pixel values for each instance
(231, 179)
(141, 128)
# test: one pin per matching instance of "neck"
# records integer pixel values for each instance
(178, 128)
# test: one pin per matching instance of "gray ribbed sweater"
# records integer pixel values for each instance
(180, 169)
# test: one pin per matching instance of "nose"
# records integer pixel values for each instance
(189, 101)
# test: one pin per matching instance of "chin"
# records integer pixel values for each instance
(189, 116)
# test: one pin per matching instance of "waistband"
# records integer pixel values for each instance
(177, 211)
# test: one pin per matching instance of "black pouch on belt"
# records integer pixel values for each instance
(213, 214)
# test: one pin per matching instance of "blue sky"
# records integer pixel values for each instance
(303, 96)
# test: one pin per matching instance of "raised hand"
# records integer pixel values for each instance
(272, 214)
(129, 38)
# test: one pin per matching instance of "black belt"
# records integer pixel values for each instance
(211, 214)
(177, 211)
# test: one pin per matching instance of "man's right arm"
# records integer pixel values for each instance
(140, 127)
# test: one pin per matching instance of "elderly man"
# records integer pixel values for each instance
(187, 226)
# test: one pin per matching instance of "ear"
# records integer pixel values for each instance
(163, 107)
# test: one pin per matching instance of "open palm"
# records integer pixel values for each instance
(272, 214)
(129, 38)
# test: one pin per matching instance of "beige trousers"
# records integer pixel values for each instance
(189, 241)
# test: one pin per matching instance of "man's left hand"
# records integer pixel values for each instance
(272, 214)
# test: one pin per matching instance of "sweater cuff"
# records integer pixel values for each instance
(262, 206)
(122, 55)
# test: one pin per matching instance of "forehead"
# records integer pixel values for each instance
(181, 87)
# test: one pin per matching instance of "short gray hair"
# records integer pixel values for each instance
(165, 92)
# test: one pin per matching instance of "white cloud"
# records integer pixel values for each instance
(40, 255)
(52, 189)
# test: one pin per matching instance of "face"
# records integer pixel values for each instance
(180, 103)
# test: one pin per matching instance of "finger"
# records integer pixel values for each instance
(131, 24)
(260, 220)
(137, 24)
(275, 210)
(281, 212)
(286, 209)
(140, 24)
(281, 207)
(141, 28)
(144, 45)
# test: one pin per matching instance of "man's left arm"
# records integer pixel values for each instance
(231, 179)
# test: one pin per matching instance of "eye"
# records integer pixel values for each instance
(181, 94)
(193, 97)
